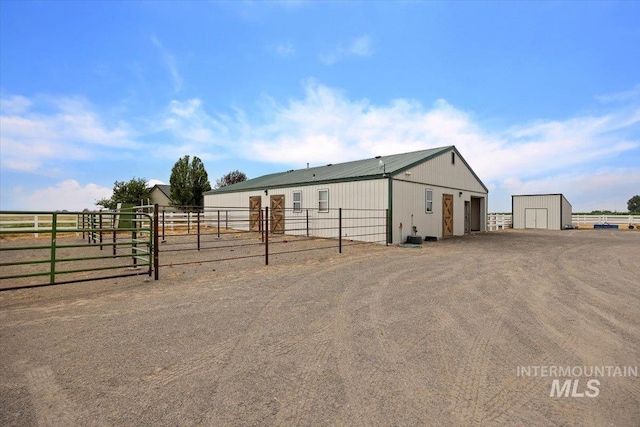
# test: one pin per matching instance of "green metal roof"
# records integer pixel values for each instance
(339, 172)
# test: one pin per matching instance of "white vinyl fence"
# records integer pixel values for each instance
(36, 222)
(172, 220)
(578, 220)
(498, 222)
(502, 221)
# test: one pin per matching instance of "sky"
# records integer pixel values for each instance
(539, 97)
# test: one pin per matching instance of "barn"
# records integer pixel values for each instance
(540, 211)
(430, 192)
(160, 194)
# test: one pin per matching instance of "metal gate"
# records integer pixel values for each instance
(46, 248)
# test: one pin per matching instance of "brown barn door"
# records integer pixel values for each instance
(467, 217)
(277, 214)
(255, 204)
(447, 215)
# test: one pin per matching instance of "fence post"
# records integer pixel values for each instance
(340, 229)
(260, 225)
(35, 224)
(134, 237)
(100, 226)
(226, 220)
(307, 222)
(386, 226)
(163, 225)
(113, 225)
(198, 218)
(156, 248)
(218, 223)
(54, 226)
(266, 235)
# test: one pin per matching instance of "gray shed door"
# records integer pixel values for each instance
(535, 218)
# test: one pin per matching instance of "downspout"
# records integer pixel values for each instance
(390, 206)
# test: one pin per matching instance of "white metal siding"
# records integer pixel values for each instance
(439, 171)
(369, 195)
(409, 199)
(549, 202)
(566, 213)
(157, 196)
(438, 174)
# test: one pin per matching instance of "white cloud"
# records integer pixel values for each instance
(15, 104)
(285, 49)
(573, 156)
(153, 182)
(69, 130)
(624, 96)
(67, 194)
(193, 131)
(170, 62)
(325, 126)
(360, 47)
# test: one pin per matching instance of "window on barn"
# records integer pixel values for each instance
(453, 158)
(323, 200)
(428, 208)
(297, 201)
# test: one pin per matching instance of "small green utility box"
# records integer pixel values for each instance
(125, 216)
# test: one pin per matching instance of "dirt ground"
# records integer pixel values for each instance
(375, 336)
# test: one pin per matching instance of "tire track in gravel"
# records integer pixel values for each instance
(372, 365)
(316, 348)
(397, 352)
(534, 295)
(250, 349)
(414, 376)
(163, 377)
(608, 311)
(541, 310)
(362, 374)
(52, 405)
(473, 402)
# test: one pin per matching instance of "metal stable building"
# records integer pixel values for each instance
(540, 211)
(434, 190)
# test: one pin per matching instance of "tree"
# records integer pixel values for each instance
(189, 181)
(135, 191)
(231, 178)
(633, 205)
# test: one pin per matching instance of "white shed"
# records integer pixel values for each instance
(541, 211)
(434, 190)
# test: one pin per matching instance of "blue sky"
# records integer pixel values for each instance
(537, 96)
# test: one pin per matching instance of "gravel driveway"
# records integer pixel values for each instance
(375, 336)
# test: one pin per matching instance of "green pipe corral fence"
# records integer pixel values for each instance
(47, 248)
(64, 257)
